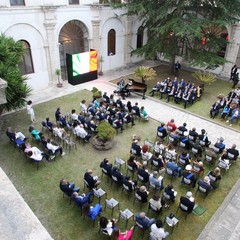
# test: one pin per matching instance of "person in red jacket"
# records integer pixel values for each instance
(171, 126)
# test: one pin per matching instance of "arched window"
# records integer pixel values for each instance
(27, 63)
(111, 42)
(140, 37)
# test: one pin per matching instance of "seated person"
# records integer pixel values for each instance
(146, 155)
(117, 174)
(49, 124)
(170, 152)
(127, 235)
(133, 163)
(107, 225)
(233, 151)
(143, 113)
(226, 112)
(158, 160)
(206, 184)
(156, 88)
(188, 201)
(54, 148)
(216, 173)
(220, 145)
(235, 115)
(117, 123)
(198, 149)
(210, 152)
(144, 221)
(185, 156)
(156, 180)
(83, 106)
(74, 116)
(62, 120)
(36, 154)
(171, 126)
(143, 193)
(15, 135)
(92, 212)
(170, 192)
(189, 175)
(82, 133)
(131, 184)
(182, 129)
(68, 188)
(161, 129)
(34, 132)
(159, 147)
(106, 97)
(192, 135)
(215, 109)
(184, 141)
(107, 166)
(157, 202)
(143, 172)
(204, 138)
(136, 148)
(128, 119)
(60, 132)
(157, 231)
(136, 110)
(82, 199)
(198, 167)
(177, 171)
(224, 159)
(92, 181)
(57, 114)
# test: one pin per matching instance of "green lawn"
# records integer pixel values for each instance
(40, 189)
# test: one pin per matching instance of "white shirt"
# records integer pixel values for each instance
(157, 233)
(37, 153)
(80, 132)
(30, 109)
(52, 147)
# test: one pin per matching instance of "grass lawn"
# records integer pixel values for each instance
(201, 107)
(40, 189)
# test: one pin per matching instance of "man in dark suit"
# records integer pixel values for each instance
(143, 172)
(161, 129)
(68, 188)
(144, 221)
(107, 166)
(193, 134)
(187, 201)
(136, 148)
(116, 173)
(205, 183)
(233, 151)
(90, 179)
(136, 110)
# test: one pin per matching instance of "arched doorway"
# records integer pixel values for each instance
(73, 38)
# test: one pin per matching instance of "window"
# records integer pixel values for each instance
(17, 2)
(111, 42)
(27, 64)
(140, 37)
(73, 2)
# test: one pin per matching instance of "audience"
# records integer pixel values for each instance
(143, 193)
(144, 221)
(156, 180)
(157, 231)
(143, 172)
(92, 181)
(67, 187)
(188, 201)
(107, 166)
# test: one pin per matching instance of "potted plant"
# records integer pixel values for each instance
(58, 73)
(103, 140)
(100, 73)
(96, 93)
(145, 73)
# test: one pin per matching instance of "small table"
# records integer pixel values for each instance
(119, 162)
(112, 203)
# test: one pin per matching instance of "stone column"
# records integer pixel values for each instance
(128, 38)
(232, 50)
(3, 86)
(95, 43)
(51, 46)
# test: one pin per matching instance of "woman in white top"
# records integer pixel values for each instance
(30, 110)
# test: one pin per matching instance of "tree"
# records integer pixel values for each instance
(11, 55)
(188, 28)
(145, 73)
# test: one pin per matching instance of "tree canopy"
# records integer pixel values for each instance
(11, 55)
(188, 28)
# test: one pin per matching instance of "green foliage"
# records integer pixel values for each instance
(178, 27)
(105, 131)
(145, 73)
(11, 54)
(96, 93)
(205, 77)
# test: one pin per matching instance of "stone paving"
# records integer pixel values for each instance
(225, 223)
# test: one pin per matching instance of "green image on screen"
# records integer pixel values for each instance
(80, 63)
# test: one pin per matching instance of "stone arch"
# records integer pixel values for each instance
(73, 38)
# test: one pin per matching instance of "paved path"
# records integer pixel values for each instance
(225, 223)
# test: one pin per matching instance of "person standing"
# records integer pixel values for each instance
(233, 72)
(235, 78)
(30, 111)
(177, 68)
